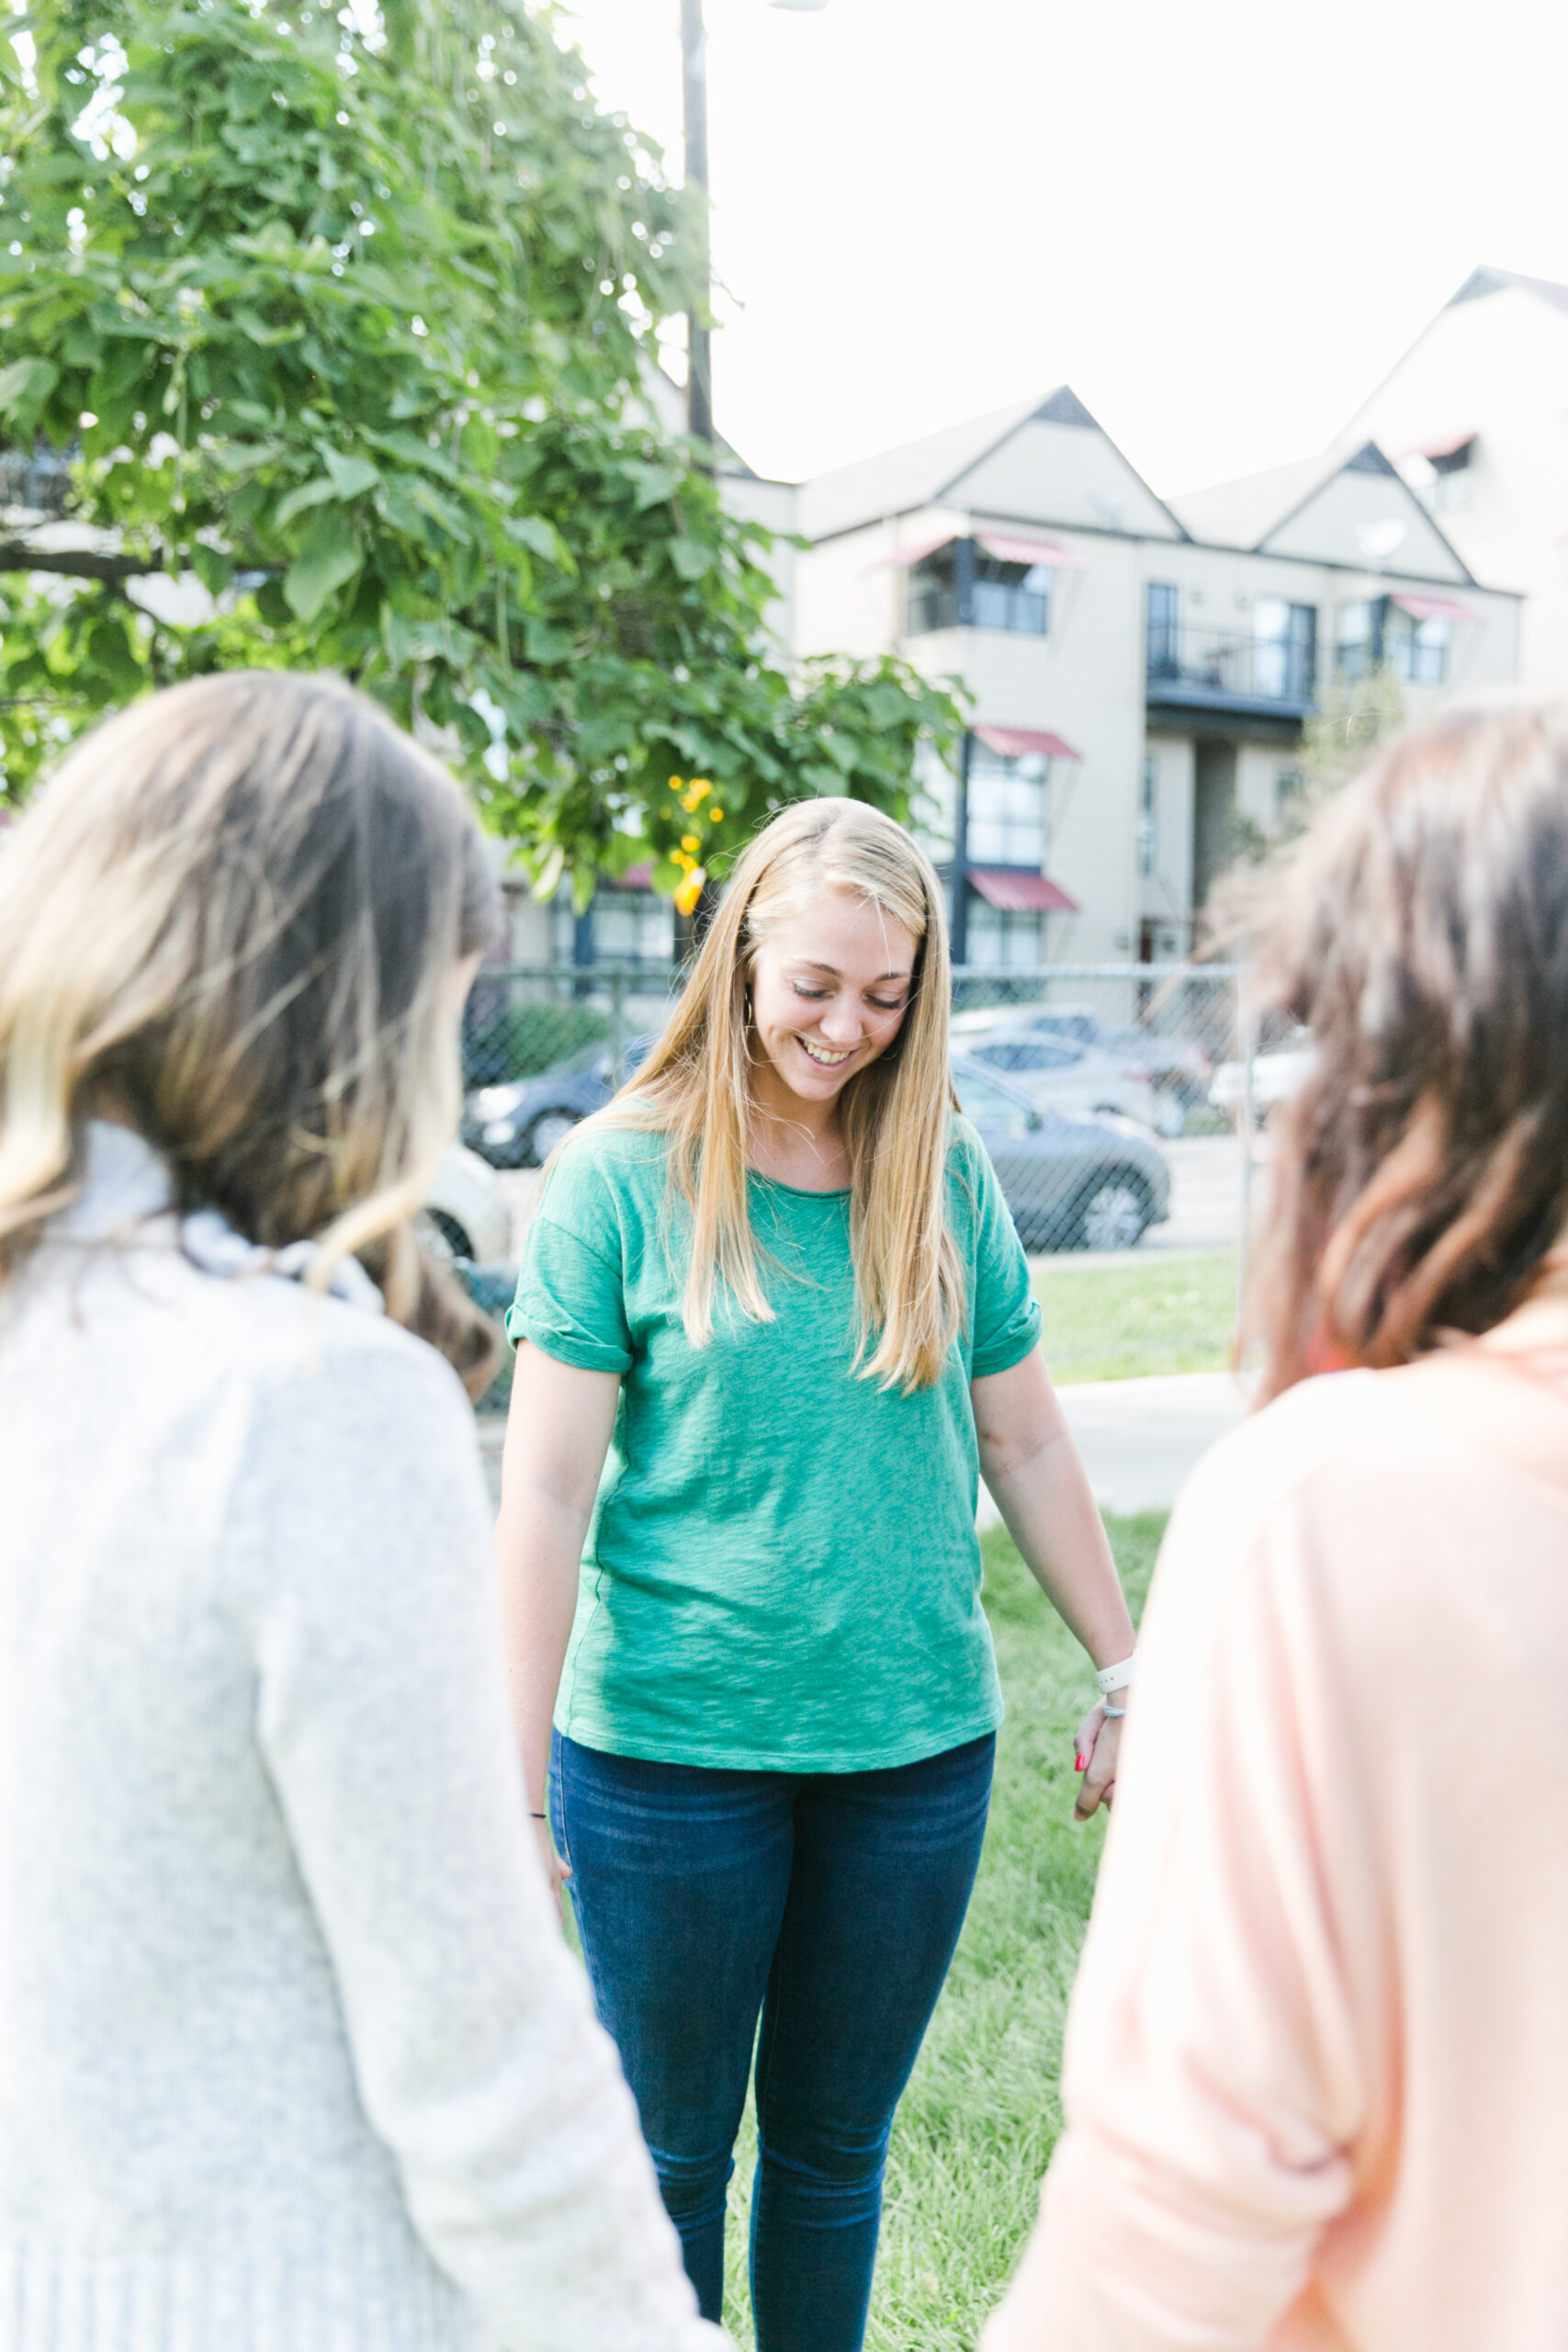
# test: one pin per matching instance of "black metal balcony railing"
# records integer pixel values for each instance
(1211, 668)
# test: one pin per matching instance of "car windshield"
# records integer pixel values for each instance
(571, 1065)
(1025, 1054)
(988, 1106)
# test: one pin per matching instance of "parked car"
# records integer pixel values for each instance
(467, 1216)
(1179, 1067)
(519, 1126)
(1277, 1073)
(1069, 1184)
(1072, 1078)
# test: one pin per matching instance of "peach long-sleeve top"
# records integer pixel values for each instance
(1316, 2075)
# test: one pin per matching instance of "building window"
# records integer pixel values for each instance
(1148, 815)
(933, 591)
(629, 927)
(1353, 641)
(1003, 942)
(1007, 809)
(1164, 616)
(1284, 648)
(959, 586)
(1289, 785)
(1014, 597)
(1451, 475)
(1418, 649)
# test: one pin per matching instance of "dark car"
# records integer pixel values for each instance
(520, 1124)
(1069, 1184)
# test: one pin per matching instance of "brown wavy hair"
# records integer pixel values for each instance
(1421, 935)
(231, 921)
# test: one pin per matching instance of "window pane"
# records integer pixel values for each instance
(1000, 943)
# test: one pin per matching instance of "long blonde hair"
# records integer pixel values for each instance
(695, 1087)
(231, 921)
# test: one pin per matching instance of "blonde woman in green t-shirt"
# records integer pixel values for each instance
(778, 1320)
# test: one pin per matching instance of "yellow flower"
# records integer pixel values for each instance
(677, 784)
(716, 816)
(699, 791)
(679, 857)
(691, 890)
(690, 840)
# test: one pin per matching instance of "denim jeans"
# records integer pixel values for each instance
(827, 1903)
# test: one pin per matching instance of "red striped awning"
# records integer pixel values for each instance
(1014, 893)
(1434, 608)
(1020, 742)
(915, 552)
(1007, 548)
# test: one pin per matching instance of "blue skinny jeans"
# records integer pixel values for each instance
(827, 1903)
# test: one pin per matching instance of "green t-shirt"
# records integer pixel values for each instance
(783, 1570)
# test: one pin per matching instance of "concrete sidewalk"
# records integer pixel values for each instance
(1138, 1438)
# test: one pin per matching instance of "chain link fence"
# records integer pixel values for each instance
(1125, 1107)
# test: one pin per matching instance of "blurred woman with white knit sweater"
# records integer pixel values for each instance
(292, 2056)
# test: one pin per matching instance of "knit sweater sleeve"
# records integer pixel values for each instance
(360, 1534)
(1216, 2069)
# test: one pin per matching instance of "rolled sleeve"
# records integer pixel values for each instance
(571, 1294)
(1006, 1312)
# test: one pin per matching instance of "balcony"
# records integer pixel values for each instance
(1207, 669)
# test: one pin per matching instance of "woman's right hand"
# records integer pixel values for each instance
(555, 1871)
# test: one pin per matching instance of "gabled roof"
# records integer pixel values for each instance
(1487, 280)
(1238, 514)
(896, 481)
(1256, 512)
(925, 473)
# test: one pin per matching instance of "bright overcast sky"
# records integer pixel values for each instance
(1220, 220)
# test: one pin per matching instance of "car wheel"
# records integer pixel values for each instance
(550, 1128)
(1113, 1212)
(444, 1235)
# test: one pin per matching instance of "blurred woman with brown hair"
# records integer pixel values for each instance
(1318, 2063)
(291, 2056)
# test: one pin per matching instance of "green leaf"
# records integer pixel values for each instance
(690, 556)
(532, 531)
(213, 568)
(309, 494)
(351, 477)
(25, 386)
(329, 556)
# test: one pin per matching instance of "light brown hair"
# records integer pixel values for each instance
(695, 1087)
(1420, 1177)
(230, 919)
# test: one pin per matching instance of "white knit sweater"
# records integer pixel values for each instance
(292, 2057)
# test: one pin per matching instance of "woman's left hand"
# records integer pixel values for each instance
(1098, 1742)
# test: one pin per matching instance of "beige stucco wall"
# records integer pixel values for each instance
(1498, 366)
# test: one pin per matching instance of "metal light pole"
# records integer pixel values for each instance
(695, 109)
(694, 104)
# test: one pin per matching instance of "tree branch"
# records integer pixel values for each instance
(79, 563)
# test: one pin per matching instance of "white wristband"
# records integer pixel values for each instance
(1116, 1678)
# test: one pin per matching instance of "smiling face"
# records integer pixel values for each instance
(829, 989)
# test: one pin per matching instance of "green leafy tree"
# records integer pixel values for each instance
(344, 315)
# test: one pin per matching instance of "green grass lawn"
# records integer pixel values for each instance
(980, 2118)
(1118, 1321)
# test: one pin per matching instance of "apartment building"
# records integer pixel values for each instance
(1473, 415)
(1141, 669)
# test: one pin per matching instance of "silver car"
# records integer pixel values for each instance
(1069, 1184)
(1058, 1075)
